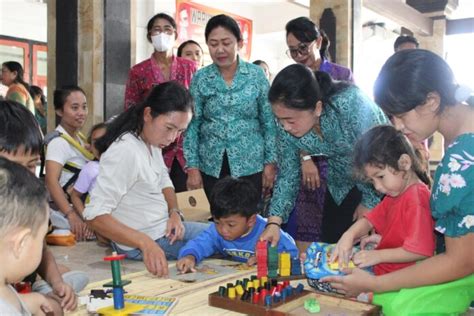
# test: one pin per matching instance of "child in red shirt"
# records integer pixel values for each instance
(402, 220)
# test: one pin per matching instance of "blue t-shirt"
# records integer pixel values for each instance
(209, 242)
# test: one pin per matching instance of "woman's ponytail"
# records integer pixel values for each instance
(129, 121)
(324, 49)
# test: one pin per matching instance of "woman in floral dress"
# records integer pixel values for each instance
(419, 90)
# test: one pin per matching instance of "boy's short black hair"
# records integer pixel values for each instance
(18, 129)
(23, 198)
(402, 39)
(232, 196)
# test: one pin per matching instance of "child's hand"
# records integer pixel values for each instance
(252, 261)
(372, 239)
(366, 258)
(186, 264)
(343, 250)
(64, 294)
(37, 303)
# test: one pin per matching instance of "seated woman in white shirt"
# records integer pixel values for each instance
(65, 156)
(133, 202)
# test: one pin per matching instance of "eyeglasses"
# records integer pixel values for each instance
(303, 49)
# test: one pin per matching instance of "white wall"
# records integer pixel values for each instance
(23, 19)
(269, 18)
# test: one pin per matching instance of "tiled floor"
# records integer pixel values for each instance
(88, 257)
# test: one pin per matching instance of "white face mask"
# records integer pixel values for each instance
(162, 42)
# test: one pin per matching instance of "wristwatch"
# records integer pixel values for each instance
(305, 158)
(177, 210)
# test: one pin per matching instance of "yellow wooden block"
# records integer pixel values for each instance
(285, 272)
(285, 260)
(256, 283)
(335, 265)
(127, 310)
(231, 292)
(239, 289)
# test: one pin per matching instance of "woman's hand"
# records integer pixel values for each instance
(310, 174)
(194, 179)
(268, 177)
(359, 212)
(355, 282)
(272, 231)
(174, 227)
(154, 258)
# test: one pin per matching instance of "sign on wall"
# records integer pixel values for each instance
(191, 19)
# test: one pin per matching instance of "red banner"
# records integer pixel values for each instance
(191, 19)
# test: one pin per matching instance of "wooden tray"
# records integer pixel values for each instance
(293, 306)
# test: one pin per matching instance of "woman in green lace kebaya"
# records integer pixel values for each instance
(320, 117)
(419, 90)
(233, 128)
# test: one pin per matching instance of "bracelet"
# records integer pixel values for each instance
(272, 223)
(177, 210)
(305, 158)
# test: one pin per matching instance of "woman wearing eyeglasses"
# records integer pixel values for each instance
(161, 67)
(308, 45)
(233, 129)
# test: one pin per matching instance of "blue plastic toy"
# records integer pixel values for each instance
(317, 266)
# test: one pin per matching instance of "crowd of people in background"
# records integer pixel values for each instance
(332, 163)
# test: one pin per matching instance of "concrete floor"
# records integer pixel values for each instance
(88, 257)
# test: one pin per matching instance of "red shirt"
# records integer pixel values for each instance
(404, 221)
(141, 79)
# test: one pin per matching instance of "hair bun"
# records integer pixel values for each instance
(462, 93)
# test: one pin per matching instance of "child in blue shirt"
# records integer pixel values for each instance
(236, 228)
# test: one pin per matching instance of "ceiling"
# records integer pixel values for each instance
(464, 10)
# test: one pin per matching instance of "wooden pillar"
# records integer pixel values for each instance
(342, 41)
(91, 58)
(51, 69)
(117, 54)
(89, 46)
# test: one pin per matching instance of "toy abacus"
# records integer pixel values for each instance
(255, 296)
(120, 307)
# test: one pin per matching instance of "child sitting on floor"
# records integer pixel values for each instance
(21, 142)
(403, 220)
(88, 175)
(236, 228)
(23, 225)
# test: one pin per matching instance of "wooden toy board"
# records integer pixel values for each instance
(330, 305)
